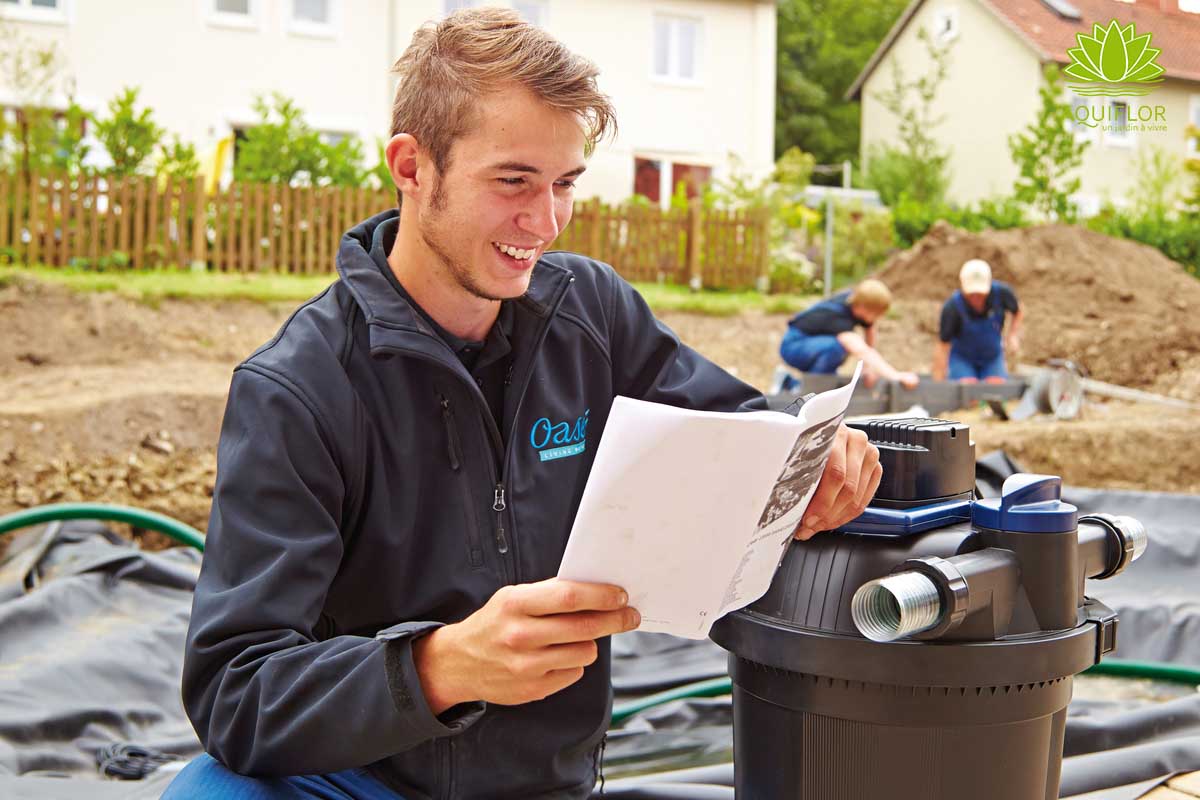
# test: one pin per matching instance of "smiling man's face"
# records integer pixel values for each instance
(507, 193)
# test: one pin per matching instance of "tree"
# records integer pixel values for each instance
(37, 137)
(1047, 152)
(129, 136)
(822, 46)
(917, 167)
(1193, 166)
(283, 148)
(177, 160)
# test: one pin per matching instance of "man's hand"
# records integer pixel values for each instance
(849, 482)
(527, 642)
(909, 380)
(1014, 343)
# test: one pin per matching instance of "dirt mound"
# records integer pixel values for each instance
(1123, 310)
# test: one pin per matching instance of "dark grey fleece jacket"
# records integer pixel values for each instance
(365, 495)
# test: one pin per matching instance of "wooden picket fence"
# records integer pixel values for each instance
(102, 221)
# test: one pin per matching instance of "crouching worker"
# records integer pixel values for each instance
(819, 338)
(972, 325)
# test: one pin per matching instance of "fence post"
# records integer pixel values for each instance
(35, 184)
(763, 238)
(199, 225)
(592, 215)
(695, 281)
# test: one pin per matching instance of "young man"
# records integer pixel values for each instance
(972, 324)
(819, 338)
(376, 614)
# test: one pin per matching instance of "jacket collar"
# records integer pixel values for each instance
(391, 319)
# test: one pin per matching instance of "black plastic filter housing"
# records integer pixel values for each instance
(972, 704)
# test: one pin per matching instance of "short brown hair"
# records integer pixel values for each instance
(451, 64)
(872, 294)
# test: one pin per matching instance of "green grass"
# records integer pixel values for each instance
(153, 286)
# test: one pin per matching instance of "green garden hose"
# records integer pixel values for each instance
(140, 518)
(1117, 667)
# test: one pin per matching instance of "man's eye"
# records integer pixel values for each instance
(565, 184)
(512, 181)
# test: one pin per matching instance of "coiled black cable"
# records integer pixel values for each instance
(131, 762)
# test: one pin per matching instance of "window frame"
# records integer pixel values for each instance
(1193, 148)
(332, 29)
(251, 21)
(949, 13)
(673, 78)
(1083, 132)
(1128, 140)
(25, 11)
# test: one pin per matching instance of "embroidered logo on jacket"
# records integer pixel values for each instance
(559, 439)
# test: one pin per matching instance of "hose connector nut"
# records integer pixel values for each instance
(952, 586)
(1129, 536)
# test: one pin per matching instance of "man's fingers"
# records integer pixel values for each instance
(580, 626)
(556, 596)
(831, 482)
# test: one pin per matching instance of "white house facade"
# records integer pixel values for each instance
(693, 80)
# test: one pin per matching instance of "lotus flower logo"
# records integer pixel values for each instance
(1111, 56)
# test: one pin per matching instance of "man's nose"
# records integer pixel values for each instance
(539, 217)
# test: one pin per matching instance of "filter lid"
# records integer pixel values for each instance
(1027, 504)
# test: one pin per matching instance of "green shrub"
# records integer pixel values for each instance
(1178, 239)
(863, 238)
(912, 220)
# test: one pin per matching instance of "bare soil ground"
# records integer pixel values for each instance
(111, 400)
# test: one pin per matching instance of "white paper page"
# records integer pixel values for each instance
(671, 504)
(793, 489)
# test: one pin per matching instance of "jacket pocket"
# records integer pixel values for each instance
(454, 454)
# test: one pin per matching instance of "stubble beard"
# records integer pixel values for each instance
(431, 235)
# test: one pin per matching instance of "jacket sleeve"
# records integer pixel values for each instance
(264, 693)
(650, 363)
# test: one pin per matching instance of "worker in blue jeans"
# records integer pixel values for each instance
(971, 346)
(820, 338)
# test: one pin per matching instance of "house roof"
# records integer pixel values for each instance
(1050, 35)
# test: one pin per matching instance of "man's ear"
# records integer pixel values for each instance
(401, 153)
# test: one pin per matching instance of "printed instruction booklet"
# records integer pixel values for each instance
(691, 511)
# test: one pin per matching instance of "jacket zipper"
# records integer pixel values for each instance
(508, 451)
(498, 445)
(453, 445)
(454, 451)
(498, 506)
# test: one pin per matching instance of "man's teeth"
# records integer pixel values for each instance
(520, 255)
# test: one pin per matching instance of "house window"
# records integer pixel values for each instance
(1117, 129)
(314, 18)
(657, 179)
(677, 48)
(945, 24)
(234, 13)
(34, 10)
(1193, 147)
(536, 12)
(1084, 126)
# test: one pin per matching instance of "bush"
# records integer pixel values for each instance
(1178, 239)
(912, 219)
(862, 238)
(129, 136)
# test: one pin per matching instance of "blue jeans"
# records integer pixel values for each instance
(962, 368)
(821, 354)
(207, 777)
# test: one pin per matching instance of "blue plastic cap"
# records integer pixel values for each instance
(1027, 504)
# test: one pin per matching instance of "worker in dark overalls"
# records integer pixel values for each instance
(972, 344)
(819, 338)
